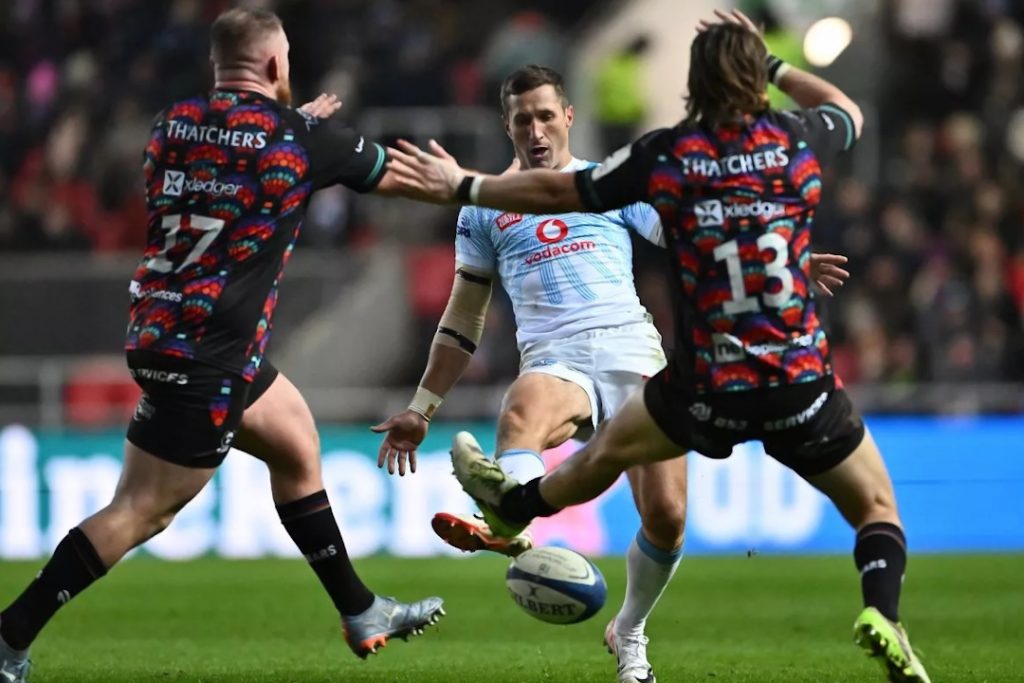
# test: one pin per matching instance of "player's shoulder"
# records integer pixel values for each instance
(473, 222)
(792, 120)
(484, 219)
(660, 139)
(829, 115)
(243, 108)
(193, 107)
(300, 120)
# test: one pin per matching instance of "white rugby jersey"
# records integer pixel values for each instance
(565, 273)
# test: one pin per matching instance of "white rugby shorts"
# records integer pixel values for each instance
(608, 363)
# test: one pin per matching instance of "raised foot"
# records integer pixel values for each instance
(471, 534)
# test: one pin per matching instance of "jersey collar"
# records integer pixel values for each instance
(573, 166)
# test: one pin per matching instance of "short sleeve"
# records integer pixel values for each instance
(473, 245)
(339, 154)
(620, 180)
(645, 221)
(828, 130)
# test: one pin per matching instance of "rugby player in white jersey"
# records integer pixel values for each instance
(586, 344)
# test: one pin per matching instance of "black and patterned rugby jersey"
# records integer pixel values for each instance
(737, 204)
(228, 179)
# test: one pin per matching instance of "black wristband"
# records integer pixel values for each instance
(462, 193)
(773, 64)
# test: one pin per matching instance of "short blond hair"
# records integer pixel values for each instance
(236, 31)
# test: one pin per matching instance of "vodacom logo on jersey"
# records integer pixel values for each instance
(552, 231)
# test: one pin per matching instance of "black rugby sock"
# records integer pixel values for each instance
(73, 567)
(523, 503)
(311, 524)
(881, 558)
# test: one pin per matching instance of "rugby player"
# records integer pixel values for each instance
(736, 185)
(228, 178)
(586, 343)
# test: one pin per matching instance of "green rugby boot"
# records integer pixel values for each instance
(888, 643)
(485, 482)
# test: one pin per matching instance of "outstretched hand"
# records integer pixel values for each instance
(436, 174)
(404, 433)
(826, 273)
(323, 107)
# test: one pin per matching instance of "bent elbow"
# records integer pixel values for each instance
(857, 116)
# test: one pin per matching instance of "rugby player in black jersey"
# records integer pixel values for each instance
(228, 178)
(736, 185)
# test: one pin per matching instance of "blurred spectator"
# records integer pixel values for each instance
(526, 38)
(620, 97)
(935, 249)
(80, 83)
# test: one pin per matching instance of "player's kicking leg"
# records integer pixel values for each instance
(279, 429)
(628, 439)
(540, 411)
(862, 491)
(148, 495)
(659, 490)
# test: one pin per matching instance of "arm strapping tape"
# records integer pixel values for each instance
(462, 324)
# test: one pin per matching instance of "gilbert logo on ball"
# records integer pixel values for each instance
(556, 585)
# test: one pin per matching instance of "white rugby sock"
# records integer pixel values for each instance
(521, 464)
(648, 571)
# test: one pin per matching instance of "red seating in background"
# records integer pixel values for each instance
(99, 394)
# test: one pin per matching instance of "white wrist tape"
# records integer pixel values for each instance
(474, 190)
(425, 402)
(783, 69)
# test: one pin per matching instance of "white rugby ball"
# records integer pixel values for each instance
(556, 585)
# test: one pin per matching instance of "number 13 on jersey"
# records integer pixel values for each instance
(776, 268)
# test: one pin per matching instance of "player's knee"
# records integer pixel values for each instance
(517, 423)
(869, 506)
(300, 458)
(145, 516)
(159, 521)
(879, 507)
(664, 522)
(614, 448)
(314, 442)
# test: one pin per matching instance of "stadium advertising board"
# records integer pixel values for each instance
(949, 475)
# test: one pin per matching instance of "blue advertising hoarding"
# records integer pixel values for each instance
(959, 484)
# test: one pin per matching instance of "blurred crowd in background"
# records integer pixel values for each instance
(80, 82)
(936, 242)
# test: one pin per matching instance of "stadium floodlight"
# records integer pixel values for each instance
(826, 39)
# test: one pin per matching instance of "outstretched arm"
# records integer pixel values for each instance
(459, 332)
(806, 89)
(810, 91)
(439, 176)
(540, 191)
(457, 335)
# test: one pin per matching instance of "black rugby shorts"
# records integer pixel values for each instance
(190, 412)
(810, 428)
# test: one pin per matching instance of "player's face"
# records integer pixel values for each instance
(282, 86)
(539, 127)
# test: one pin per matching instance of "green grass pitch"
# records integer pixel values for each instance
(785, 619)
